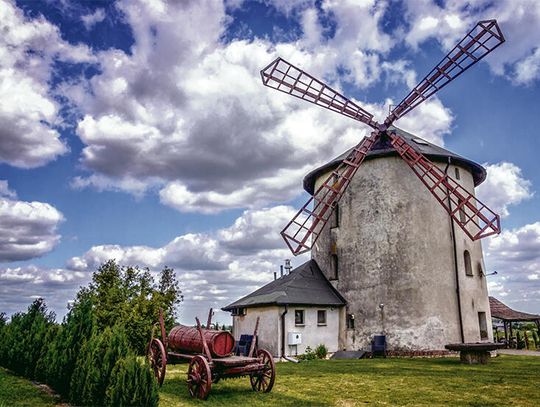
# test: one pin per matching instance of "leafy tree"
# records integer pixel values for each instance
(128, 295)
(168, 295)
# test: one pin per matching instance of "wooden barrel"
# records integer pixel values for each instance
(187, 339)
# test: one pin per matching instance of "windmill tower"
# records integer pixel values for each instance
(410, 266)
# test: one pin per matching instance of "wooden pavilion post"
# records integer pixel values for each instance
(511, 332)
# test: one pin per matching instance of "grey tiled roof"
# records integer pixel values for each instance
(380, 149)
(305, 285)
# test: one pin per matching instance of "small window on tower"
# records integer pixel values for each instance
(462, 216)
(335, 217)
(350, 321)
(321, 317)
(335, 267)
(457, 173)
(299, 317)
(467, 260)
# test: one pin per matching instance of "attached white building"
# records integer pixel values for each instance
(298, 310)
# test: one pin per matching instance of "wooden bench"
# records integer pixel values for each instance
(474, 353)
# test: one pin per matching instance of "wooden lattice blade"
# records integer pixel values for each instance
(287, 78)
(480, 41)
(470, 214)
(304, 229)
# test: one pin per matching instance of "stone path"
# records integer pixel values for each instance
(521, 352)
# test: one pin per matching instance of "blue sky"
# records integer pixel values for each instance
(140, 131)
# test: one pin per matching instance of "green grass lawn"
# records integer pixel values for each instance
(507, 380)
(18, 392)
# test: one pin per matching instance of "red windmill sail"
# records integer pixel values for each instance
(475, 218)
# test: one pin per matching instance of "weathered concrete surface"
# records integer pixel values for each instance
(394, 246)
(474, 357)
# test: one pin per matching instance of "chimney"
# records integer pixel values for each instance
(281, 270)
(288, 266)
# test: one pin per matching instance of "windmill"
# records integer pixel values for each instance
(470, 214)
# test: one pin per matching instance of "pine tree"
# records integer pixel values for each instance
(132, 384)
(59, 361)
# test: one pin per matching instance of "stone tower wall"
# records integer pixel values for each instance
(394, 247)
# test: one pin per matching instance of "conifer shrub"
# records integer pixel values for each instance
(94, 366)
(58, 363)
(24, 339)
(132, 383)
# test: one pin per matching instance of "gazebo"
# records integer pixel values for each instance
(508, 315)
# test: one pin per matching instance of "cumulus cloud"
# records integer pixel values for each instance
(27, 229)
(28, 112)
(527, 70)
(195, 121)
(213, 269)
(449, 21)
(19, 286)
(515, 254)
(504, 187)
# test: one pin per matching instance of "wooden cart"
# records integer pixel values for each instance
(205, 367)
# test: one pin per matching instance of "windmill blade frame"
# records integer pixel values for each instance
(475, 218)
(477, 43)
(308, 223)
(287, 78)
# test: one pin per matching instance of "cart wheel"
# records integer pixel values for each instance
(157, 358)
(199, 379)
(264, 379)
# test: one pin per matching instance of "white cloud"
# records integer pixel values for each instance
(519, 20)
(28, 112)
(528, 69)
(195, 121)
(27, 229)
(90, 20)
(213, 268)
(515, 254)
(19, 286)
(503, 187)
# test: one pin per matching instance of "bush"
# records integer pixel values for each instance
(58, 362)
(520, 342)
(132, 383)
(321, 351)
(25, 339)
(95, 364)
(309, 354)
(535, 339)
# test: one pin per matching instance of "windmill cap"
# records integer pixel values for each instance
(382, 149)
